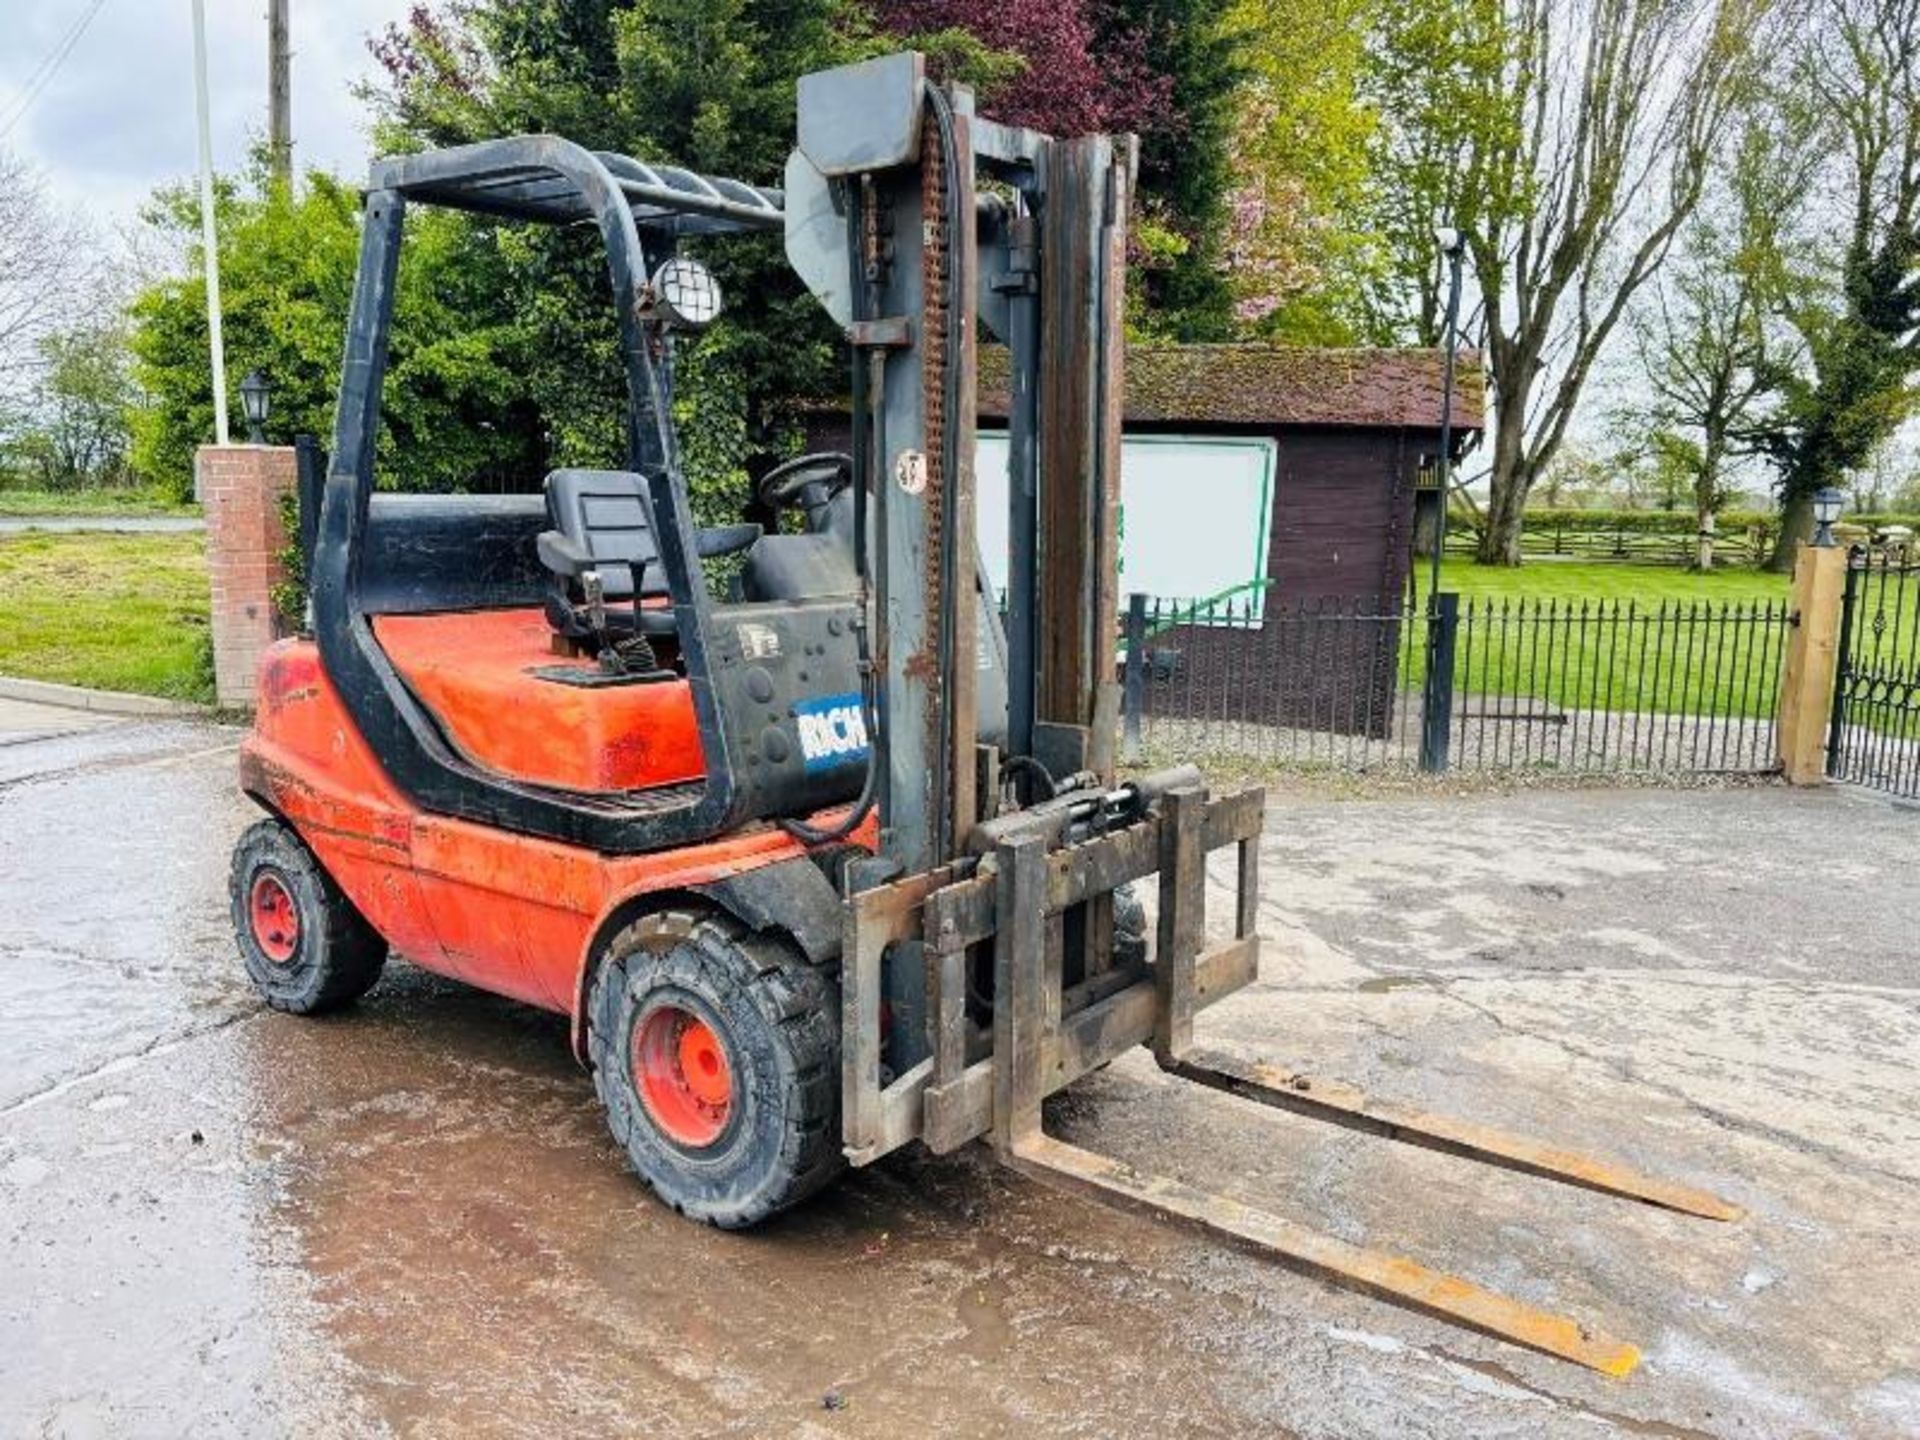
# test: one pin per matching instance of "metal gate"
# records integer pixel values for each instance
(1874, 737)
(1552, 685)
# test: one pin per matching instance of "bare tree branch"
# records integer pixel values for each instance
(47, 272)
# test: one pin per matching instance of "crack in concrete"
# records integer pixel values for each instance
(110, 763)
(1493, 1370)
(33, 737)
(159, 1045)
(1624, 1070)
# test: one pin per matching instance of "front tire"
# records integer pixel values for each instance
(305, 946)
(716, 1052)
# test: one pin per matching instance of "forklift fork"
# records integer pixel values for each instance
(1018, 901)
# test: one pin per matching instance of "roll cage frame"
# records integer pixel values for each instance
(539, 179)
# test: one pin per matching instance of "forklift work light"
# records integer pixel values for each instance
(685, 293)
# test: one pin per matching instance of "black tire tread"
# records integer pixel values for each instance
(351, 953)
(798, 1002)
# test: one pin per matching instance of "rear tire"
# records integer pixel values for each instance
(306, 948)
(716, 1052)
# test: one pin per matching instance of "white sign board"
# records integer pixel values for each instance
(1194, 514)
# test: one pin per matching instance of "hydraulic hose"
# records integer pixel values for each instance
(865, 445)
(867, 454)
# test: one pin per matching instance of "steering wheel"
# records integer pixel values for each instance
(785, 483)
(724, 540)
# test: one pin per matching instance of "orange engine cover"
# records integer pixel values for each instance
(475, 671)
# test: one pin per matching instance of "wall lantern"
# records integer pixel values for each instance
(1827, 504)
(256, 400)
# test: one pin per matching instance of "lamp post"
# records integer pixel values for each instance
(1827, 504)
(256, 400)
(1453, 248)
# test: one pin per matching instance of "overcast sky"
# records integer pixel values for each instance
(116, 118)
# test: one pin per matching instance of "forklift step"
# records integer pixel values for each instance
(1390, 1277)
(1345, 1105)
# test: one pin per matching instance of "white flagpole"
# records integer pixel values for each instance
(208, 238)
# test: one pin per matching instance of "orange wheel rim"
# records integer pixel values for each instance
(272, 916)
(683, 1077)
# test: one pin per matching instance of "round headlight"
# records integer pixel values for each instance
(685, 293)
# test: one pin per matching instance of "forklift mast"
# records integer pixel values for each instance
(918, 223)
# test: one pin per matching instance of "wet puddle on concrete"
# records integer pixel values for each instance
(1387, 984)
(482, 1258)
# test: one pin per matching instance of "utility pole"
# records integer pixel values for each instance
(1453, 249)
(209, 240)
(279, 95)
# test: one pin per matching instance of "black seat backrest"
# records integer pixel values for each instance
(607, 514)
(422, 553)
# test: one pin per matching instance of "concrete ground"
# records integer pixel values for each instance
(21, 720)
(409, 1219)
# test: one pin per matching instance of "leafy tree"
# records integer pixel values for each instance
(1434, 77)
(1042, 63)
(1846, 287)
(455, 414)
(1570, 140)
(1903, 494)
(1887, 482)
(77, 434)
(1702, 338)
(1168, 70)
(1200, 51)
(704, 83)
(1298, 252)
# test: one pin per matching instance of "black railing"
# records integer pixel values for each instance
(1874, 739)
(1473, 683)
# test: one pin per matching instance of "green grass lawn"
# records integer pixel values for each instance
(1578, 580)
(90, 502)
(1645, 638)
(111, 612)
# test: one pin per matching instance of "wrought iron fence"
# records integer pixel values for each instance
(1874, 736)
(1469, 683)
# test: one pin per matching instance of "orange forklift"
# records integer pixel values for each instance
(832, 858)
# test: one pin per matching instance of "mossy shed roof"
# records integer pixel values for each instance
(1271, 386)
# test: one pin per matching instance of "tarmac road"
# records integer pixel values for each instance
(409, 1219)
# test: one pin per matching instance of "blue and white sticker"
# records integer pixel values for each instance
(833, 731)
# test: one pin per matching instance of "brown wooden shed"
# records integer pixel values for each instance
(1354, 430)
(1354, 433)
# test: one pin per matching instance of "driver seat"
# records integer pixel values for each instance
(601, 549)
(602, 539)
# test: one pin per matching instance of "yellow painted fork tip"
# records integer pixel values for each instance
(1624, 1360)
(1705, 1205)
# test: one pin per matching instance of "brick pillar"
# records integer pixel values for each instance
(240, 487)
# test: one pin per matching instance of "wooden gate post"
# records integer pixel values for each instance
(1813, 650)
